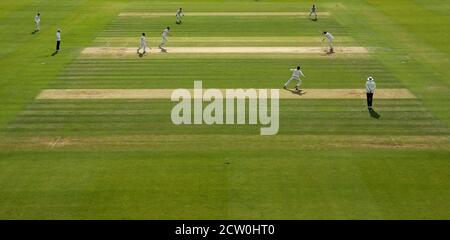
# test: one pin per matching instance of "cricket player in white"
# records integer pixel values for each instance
(58, 40)
(37, 21)
(164, 35)
(370, 89)
(313, 12)
(179, 15)
(295, 76)
(330, 41)
(143, 44)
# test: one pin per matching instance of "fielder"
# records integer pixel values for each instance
(179, 15)
(370, 89)
(143, 44)
(313, 12)
(164, 35)
(330, 41)
(37, 21)
(58, 40)
(295, 76)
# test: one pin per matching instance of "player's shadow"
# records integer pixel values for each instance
(54, 53)
(300, 93)
(34, 32)
(314, 19)
(142, 54)
(327, 53)
(373, 113)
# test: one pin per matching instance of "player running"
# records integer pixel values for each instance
(295, 76)
(164, 35)
(312, 12)
(330, 41)
(179, 15)
(143, 44)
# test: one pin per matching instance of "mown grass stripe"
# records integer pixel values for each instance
(165, 142)
(118, 51)
(217, 14)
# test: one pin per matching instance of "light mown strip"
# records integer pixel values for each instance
(218, 14)
(219, 50)
(165, 142)
(61, 94)
(226, 39)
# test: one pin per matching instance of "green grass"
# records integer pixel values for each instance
(219, 26)
(256, 184)
(112, 159)
(220, 73)
(313, 117)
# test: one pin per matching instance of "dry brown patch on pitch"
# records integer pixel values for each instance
(105, 94)
(66, 94)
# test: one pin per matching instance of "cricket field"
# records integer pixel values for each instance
(84, 135)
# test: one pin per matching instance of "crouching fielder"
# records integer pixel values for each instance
(179, 15)
(370, 89)
(143, 44)
(295, 76)
(313, 12)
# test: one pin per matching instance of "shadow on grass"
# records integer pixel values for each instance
(34, 32)
(300, 92)
(54, 53)
(374, 114)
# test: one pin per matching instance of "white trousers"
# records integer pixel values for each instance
(142, 46)
(163, 42)
(38, 26)
(299, 82)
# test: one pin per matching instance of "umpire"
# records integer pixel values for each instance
(370, 89)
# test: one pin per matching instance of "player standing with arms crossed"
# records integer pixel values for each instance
(179, 15)
(164, 35)
(295, 76)
(330, 41)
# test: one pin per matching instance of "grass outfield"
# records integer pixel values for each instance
(124, 159)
